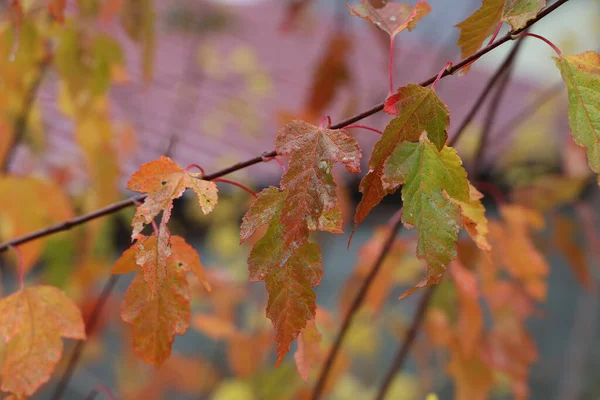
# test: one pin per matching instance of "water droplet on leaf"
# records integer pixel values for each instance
(393, 18)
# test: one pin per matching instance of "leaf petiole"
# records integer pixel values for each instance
(543, 39)
(247, 189)
(364, 127)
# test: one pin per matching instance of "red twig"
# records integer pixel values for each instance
(498, 26)
(196, 166)
(364, 127)
(267, 159)
(325, 118)
(391, 65)
(247, 189)
(548, 42)
(439, 76)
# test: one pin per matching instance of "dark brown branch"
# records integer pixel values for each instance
(90, 325)
(364, 288)
(256, 160)
(490, 118)
(411, 335)
(485, 92)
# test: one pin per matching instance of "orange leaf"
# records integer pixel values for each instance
(247, 353)
(155, 319)
(331, 73)
(393, 17)
(32, 321)
(291, 300)
(307, 354)
(163, 180)
(189, 258)
(470, 324)
(565, 240)
(516, 251)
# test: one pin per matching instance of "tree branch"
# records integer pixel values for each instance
(411, 335)
(256, 160)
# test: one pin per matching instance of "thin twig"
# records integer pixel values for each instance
(356, 303)
(484, 93)
(90, 325)
(411, 335)
(110, 209)
(490, 118)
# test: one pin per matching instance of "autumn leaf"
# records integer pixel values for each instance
(292, 302)
(581, 74)
(156, 318)
(269, 203)
(144, 255)
(473, 218)
(160, 308)
(565, 240)
(514, 250)
(32, 321)
(307, 354)
(482, 23)
(163, 180)
(426, 174)
(470, 323)
(418, 109)
(331, 73)
(393, 17)
(214, 327)
(312, 189)
(479, 26)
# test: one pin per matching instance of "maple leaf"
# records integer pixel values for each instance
(269, 203)
(307, 353)
(331, 74)
(426, 174)
(479, 26)
(473, 218)
(312, 189)
(159, 310)
(482, 23)
(163, 180)
(393, 17)
(470, 323)
(292, 302)
(32, 321)
(144, 254)
(514, 249)
(418, 109)
(581, 74)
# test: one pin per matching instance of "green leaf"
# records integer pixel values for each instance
(269, 203)
(581, 74)
(292, 302)
(518, 12)
(479, 26)
(430, 178)
(419, 109)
